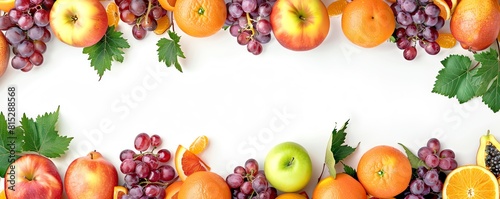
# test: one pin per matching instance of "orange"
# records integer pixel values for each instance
(187, 163)
(7, 5)
(368, 23)
(471, 182)
(200, 18)
(206, 185)
(119, 191)
(113, 14)
(173, 189)
(163, 25)
(199, 144)
(337, 7)
(445, 9)
(167, 4)
(384, 171)
(340, 187)
(446, 40)
(291, 196)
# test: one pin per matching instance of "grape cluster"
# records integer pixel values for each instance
(248, 182)
(146, 173)
(25, 28)
(248, 21)
(428, 182)
(418, 21)
(141, 14)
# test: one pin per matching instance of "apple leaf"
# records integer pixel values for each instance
(11, 140)
(414, 160)
(350, 171)
(170, 50)
(108, 49)
(337, 150)
(41, 135)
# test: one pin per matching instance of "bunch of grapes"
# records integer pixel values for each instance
(146, 173)
(418, 21)
(248, 182)
(25, 28)
(248, 21)
(141, 14)
(429, 180)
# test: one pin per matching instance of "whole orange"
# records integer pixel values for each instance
(384, 171)
(340, 187)
(476, 24)
(368, 23)
(206, 185)
(200, 18)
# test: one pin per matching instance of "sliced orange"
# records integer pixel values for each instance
(471, 182)
(199, 144)
(444, 7)
(337, 7)
(7, 5)
(113, 14)
(163, 25)
(186, 163)
(167, 4)
(173, 189)
(2, 195)
(119, 192)
(446, 40)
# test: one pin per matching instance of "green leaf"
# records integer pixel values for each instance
(41, 135)
(414, 160)
(488, 71)
(350, 171)
(455, 79)
(108, 49)
(10, 144)
(492, 97)
(337, 150)
(169, 50)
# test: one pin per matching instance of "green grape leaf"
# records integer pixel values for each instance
(170, 50)
(108, 49)
(11, 140)
(455, 79)
(350, 171)
(414, 160)
(488, 71)
(337, 150)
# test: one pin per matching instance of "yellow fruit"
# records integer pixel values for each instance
(337, 7)
(470, 182)
(119, 191)
(6, 5)
(340, 187)
(291, 196)
(446, 40)
(199, 144)
(113, 14)
(187, 163)
(163, 25)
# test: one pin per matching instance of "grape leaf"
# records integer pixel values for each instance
(350, 171)
(414, 160)
(455, 79)
(10, 144)
(337, 150)
(170, 50)
(41, 135)
(489, 71)
(108, 49)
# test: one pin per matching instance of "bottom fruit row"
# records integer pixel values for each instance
(382, 172)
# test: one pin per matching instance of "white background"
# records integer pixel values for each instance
(246, 104)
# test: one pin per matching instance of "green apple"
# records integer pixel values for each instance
(288, 167)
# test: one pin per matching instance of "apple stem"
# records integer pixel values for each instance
(291, 162)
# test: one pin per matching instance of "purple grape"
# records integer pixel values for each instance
(142, 170)
(249, 5)
(430, 21)
(403, 43)
(263, 39)
(409, 6)
(163, 155)
(36, 58)
(433, 143)
(22, 5)
(138, 7)
(445, 164)
(432, 161)
(19, 62)
(167, 173)
(404, 19)
(410, 53)
(5, 22)
(41, 17)
(421, 171)
(240, 170)
(131, 179)
(263, 26)
(417, 186)
(243, 22)
(440, 23)
(432, 48)
(418, 17)
(432, 10)
(254, 47)
(251, 166)
(243, 38)
(26, 21)
(431, 177)
(14, 35)
(246, 188)
(128, 166)
(155, 140)
(151, 190)
(46, 36)
(28, 67)
(14, 15)
(396, 8)
(438, 187)
(154, 176)
(235, 10)
(135, 191)
(234, 180)
(127, 154)
(149, 23)
(138, 32)
(35, 33)
(142, 142)
(423, 152)
(411, 196)
(259, 184)
(26, 49)
(265, 9)
(234, 30)
(453, 164)
(151, 160)
(411, 30)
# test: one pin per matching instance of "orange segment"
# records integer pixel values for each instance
(199, 144)
(113, 14)
(7, 5)
(119, 192)
(444, 7)
(167, 4)
(336, 7)
(173, 189)
(163, 25)
(187, 163)
(446, 40)
(471, 182)
(291, 196)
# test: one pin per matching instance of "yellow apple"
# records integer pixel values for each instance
(78, 23)
(300, 25)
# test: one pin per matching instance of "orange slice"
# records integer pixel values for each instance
(444, 7)
(2, 195)
(173, 189)
(7, 5)
(119, 192)
(163, 25)
(199, 144)
(471, 182)
(446, 40)
(167, 4)
(336, 7)
(113, 14)
(186, 163)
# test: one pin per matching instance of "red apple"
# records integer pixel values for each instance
(300, 25)
(78, 23)
(33, 176)
(91, 176)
